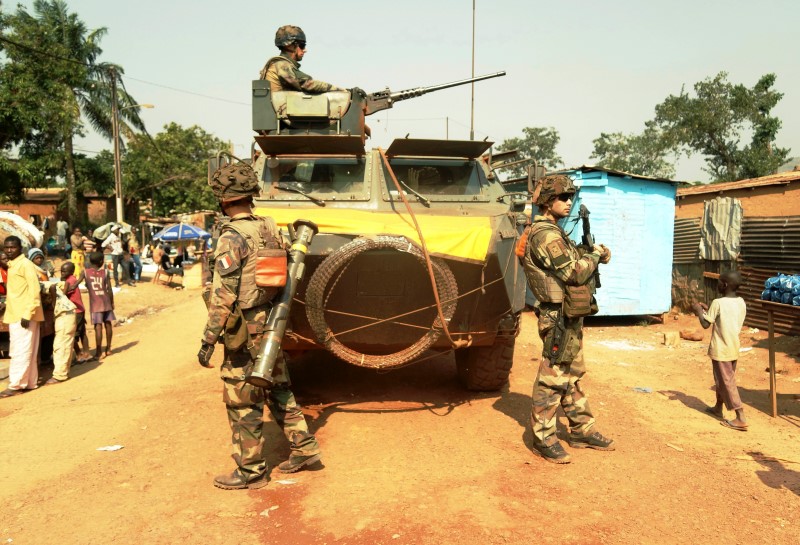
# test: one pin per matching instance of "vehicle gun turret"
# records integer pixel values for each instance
(280, 114)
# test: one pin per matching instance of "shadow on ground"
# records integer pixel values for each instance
(776, 473)
(325, 385)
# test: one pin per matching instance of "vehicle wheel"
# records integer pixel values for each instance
(486, 368)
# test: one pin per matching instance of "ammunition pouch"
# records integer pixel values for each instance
(579, 301)
(236, 335)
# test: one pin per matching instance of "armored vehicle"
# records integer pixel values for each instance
(415, 251)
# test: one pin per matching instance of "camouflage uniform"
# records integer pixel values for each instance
(283, 74)
(553, 258)
(245, 402)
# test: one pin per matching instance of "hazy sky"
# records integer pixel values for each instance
(581, 66)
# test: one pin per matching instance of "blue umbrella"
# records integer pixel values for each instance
(181, 231)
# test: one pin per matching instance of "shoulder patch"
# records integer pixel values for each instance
(558, 253)
(225, 263)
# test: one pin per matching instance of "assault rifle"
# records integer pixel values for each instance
(588, 239)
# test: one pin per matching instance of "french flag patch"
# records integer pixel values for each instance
(225, 262)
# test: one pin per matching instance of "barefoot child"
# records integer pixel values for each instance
(101, 301)
(727, 314)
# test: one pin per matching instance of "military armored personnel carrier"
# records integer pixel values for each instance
(415, 251)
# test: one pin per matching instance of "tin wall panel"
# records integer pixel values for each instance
(686, 248)
(769, 246)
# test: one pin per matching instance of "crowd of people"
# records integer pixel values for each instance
(44, 308)
(46, 315)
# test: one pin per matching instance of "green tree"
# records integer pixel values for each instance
(171, 169)
(539, 144)
(12, 129)
(714, 121)
(56, 80)
(644, 154)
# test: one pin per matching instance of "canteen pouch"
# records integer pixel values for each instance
(271, 265)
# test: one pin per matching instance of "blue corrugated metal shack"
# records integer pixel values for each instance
(634, 216)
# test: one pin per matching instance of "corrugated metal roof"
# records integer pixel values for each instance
(595, 168)
(781, 178)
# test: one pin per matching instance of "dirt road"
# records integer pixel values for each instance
(409, 457)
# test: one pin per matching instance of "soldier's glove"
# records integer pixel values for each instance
(204, 355)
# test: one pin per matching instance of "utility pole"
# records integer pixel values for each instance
(117, 159)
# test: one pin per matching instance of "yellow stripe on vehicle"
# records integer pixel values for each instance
(459, 237)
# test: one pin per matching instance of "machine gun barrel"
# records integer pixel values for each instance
(382, 100)
(261, 374)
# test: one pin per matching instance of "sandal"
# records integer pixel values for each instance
(731, 425)
(8, 392)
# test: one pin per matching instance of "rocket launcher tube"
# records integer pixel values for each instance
(261, 374)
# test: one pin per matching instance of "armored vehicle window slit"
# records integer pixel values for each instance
(438, 179)
(323, 178)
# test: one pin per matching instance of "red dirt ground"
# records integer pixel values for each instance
(409, 457)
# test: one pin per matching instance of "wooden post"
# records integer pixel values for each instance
(773, 386)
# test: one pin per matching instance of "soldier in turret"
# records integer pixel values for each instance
(283, 72)
(560, 275)
(237, 313)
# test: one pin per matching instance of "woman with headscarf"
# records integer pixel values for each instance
(45, 268)
(47, 330)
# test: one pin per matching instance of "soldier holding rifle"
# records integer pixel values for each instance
(561, 275)
(238, 309)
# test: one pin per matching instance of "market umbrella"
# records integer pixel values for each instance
(181, 231)
(102, 232)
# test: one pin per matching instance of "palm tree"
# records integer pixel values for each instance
(79, 86)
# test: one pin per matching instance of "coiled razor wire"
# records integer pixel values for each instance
(338, 261)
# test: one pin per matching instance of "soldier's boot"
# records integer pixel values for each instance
(296, 463)
(594, 440)
(554, 453)
(238, 480)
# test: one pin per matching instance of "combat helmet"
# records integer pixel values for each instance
(233, 181)
(289, 34)
(550, 187)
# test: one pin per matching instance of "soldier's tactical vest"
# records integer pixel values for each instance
(259, 233)
(578, 300)
(269, 62)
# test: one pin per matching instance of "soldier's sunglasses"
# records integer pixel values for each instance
(564, 197)
(301, 45)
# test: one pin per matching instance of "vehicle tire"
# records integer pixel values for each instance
(486, 368)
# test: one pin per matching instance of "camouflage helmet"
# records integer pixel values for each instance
(289, 34)
(550, 187)
(234, 181)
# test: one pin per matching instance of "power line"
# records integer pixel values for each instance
(42, 53)
(188, 92)
(67, 59)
